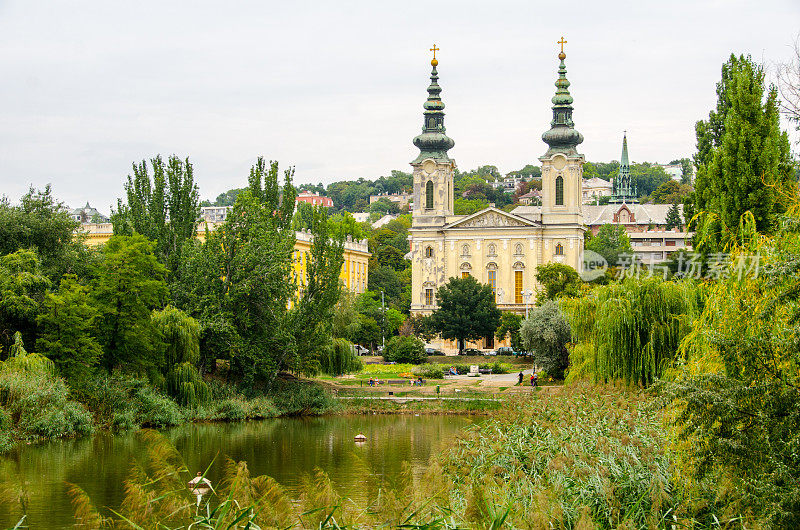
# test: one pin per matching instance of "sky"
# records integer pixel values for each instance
(336, 88)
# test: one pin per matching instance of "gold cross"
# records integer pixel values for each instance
(434, 50)
(562, 42)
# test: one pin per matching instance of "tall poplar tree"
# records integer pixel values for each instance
(743, 158)
(164, 210)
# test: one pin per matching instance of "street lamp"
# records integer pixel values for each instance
(526, 295)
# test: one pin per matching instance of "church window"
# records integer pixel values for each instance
(429, 195)
(493, 281)
(560, 191)
(559, 249)
(464, 274)
(428, 296)
(428, 252)
(517, 287)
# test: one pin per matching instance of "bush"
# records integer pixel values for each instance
(40, 403)
(430, 371)
(6, 423)
(339, 358)
(154, 409)
(405, 350)
(123, 402)
(232, 409)
(294, 399)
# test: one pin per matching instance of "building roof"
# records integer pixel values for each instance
(643, 214)
(597, 182)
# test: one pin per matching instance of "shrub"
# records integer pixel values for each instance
(231, 409)
(5, 420)
(430, 371)
(154, 409)
(339, 358)
(294, 399)
(405, 350)
(186, 386)
(123, 402)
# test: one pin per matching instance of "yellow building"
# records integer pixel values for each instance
(354, 270)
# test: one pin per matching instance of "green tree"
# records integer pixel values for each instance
(558, 280)
(405, 350)
(546, 333)
(41, 223)
(611, 242)
(164, 209)
(674, 218)
(129, 284)
(238, 284)
(466, 310)
(509, 327)
(743, 157)
(22, 290)
(423, 327)
(312, 312)
(367, 333)
(180, 337)
(67, 323)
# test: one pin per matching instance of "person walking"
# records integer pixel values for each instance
(535, 379)
(520, 379)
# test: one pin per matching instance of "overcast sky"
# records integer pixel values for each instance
(336, 88)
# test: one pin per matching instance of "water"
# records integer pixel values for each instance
(284, 449)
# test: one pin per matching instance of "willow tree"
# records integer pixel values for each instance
(634, 327)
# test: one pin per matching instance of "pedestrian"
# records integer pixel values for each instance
(520, 379)
(535, 379)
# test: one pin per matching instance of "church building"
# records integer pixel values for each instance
(497, 248)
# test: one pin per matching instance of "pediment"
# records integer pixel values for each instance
(491, 218)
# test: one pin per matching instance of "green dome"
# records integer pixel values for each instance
(562, 136)
(433, 142)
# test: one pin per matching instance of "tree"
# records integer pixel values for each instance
(22, 290)
(41, 223)
(129, 284)
(558, 280)
(674, 218)
(546, 334)
(180, 337)
(164, 210)
(368, 333)
(405, 350)
(509, 327)
(789, 86)
(67, 323)
(466, 310)
(423, 327)
(743, 158)
(611, 242)
(238, 283)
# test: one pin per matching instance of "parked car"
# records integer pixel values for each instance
(488, 352)
(471, 351)
(360, 350)
(433, 351)
(504, 350)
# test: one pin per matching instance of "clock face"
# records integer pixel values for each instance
(559, 162)
(429, 166)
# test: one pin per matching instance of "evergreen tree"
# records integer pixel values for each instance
(743, 159)
(67, 323)
(467, 310)
(674, 218)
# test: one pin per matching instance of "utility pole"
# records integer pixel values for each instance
(527, 296)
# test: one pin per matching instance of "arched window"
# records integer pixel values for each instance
(518, 249)
(560, 191)
(559, 249)
(491, 250)
(429, 195)
(428, 252)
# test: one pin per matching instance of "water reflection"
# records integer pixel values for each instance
(32, 478)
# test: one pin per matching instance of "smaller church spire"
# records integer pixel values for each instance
(624, 191)
(562, 136)
(433, 142)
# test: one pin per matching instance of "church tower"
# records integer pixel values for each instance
(562, 165)
(433, 169)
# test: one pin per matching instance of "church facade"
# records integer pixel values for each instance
(497, 248)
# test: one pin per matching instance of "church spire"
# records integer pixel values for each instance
(433, 142)
(562, 136)
(623, 186)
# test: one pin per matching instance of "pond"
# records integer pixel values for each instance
(32, 478)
